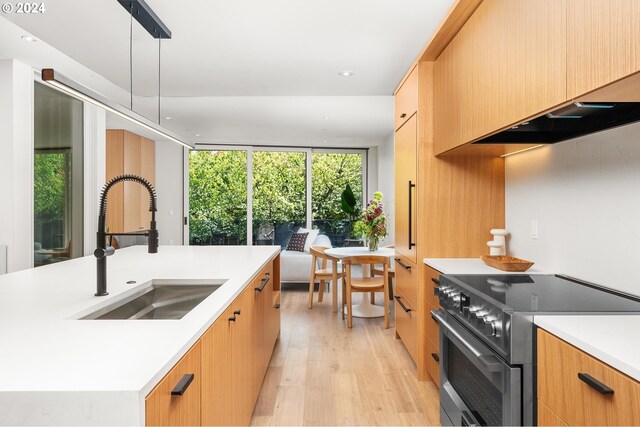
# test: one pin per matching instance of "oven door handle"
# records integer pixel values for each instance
(490, 361)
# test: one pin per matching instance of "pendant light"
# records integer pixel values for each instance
(141, 11)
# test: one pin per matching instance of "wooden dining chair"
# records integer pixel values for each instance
(322, 273)
(376, 270)
(366, 284)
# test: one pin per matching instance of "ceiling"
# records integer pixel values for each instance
(252, 71)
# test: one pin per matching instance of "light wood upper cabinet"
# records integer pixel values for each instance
(162, 408)
(406, 99)
(128, 205)
(507, 63)
(406, 174)
(575, 401)
(603, 43)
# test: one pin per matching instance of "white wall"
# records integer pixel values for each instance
(386, 184)
(169, 188)
(16, 163)
(585, 195)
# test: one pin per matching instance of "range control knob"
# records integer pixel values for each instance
(456, 298)
(470, 310)
(493, 327)
(479, 315)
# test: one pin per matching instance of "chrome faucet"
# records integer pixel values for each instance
(102, 251)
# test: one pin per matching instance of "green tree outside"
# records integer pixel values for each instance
(218, 196)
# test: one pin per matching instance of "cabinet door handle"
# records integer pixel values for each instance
(402, 264)
(595, 384)
(404, 307)
(435, 357)
(403, 115)
(232, 318)
(182, 385)
(436, 281)
(277, 306)
(264, 283)
(237, 312)
(411, 244)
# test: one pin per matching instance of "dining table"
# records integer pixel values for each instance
(365, 308)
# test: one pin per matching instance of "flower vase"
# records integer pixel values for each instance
(373, 244)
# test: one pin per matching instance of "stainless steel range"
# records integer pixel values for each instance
(487, 340)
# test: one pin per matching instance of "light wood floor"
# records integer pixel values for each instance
(322, 373)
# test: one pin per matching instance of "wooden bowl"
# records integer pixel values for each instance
(506, 263)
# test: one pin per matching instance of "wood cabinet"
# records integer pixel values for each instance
(406, 100)
(406, 320)
(573, 386)
(602, 43)
(230, 361)
(507, 64)
(546, 417)
(406, 174)
(128, 205)
(455, 202)
(162, 408)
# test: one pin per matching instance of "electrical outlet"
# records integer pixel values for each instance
(534, 229)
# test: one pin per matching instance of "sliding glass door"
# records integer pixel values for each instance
(260, 196)
(58, 176)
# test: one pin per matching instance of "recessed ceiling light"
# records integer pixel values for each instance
(29, 38)
(346, 73)
(167, 118)
(197, 134)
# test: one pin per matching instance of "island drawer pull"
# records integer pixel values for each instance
(435, 357)
(404, 307)
(182, 385)
(403, 265)
(595, 384)
(264, 283)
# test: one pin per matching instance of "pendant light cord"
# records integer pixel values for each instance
(131, 57)
(159, 50)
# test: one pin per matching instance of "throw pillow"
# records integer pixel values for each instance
(297, 241)
(310, 238)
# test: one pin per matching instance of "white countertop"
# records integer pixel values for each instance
(58, 370)
(470, 266)
(611, 338)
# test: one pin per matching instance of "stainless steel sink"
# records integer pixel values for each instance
(157, 301)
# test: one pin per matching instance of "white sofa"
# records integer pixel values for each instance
(296, 266)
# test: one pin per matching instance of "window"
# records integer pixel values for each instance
(218, 198)
(58, 176)
(279, 195)
(330, 175)
(288, 189)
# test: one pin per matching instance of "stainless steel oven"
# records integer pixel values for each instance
(477, 386)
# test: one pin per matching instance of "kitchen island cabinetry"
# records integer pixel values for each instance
(578, 389)
(123, 372)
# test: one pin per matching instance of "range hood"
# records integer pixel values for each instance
(568, 122)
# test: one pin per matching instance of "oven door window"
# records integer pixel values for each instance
(479, 394)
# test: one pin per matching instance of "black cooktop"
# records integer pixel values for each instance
(544, 293)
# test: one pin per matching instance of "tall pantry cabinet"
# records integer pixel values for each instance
(445, 207)
(128, 205)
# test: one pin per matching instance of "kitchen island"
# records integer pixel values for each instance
(56, 369)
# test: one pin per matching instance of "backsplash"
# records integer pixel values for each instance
(585, 196)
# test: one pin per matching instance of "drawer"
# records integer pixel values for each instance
(574, 400)
(406, 99)
(407, 279)
(433, 363)
(546, 417)
(433, 330)
(162, 408)
(407, 325)
(431, 285)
